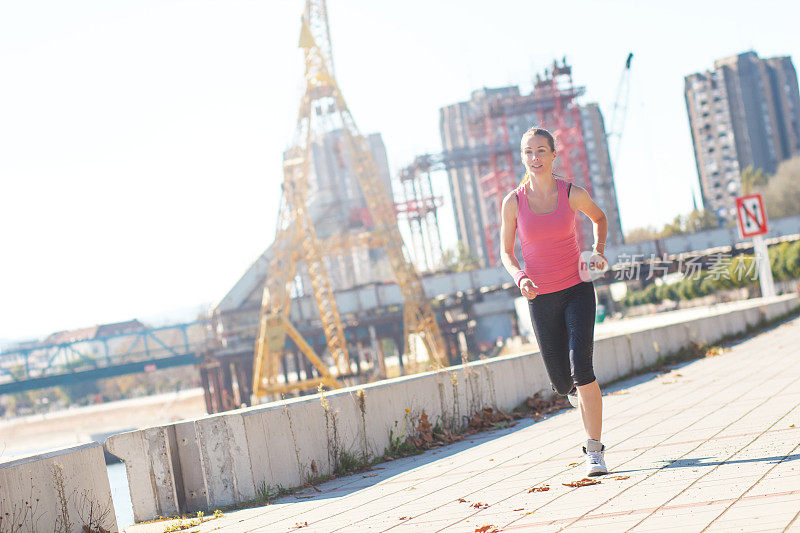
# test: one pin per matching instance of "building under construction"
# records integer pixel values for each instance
(480, 140)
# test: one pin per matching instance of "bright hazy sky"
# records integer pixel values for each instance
(141, 141)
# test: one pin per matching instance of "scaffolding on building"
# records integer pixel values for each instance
(419, 210)
(493, 153)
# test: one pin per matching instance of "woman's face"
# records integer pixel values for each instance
(537, 156)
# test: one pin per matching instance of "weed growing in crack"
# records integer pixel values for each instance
(21, 517)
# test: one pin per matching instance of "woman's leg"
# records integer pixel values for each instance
(580, 314)
(547, 316)
(591, 409)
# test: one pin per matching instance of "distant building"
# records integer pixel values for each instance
(336, 205)
(485, 132)
(745, 112)
(95, 332)
(603, 190)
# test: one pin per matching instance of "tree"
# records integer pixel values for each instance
(459, 260)
(753, 179)
(699, 220)
(782, 192)
(641, 234)
(676, 227)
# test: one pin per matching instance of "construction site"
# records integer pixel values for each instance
(340, 298)
(365, 375)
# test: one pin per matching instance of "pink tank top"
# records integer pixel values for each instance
(549, 242)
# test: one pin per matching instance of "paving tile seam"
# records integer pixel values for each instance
(629, 512)
(562, 471)
(669, 436)
(623, 401)
(743, 495)
(792, 521)
(726, 459)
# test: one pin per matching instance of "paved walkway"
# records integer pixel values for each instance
(713, 445)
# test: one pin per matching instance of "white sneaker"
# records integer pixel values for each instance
(595, 463)
(573, 398)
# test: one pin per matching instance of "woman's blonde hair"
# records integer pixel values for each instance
(526, 136)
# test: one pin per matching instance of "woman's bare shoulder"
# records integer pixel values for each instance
(511, 200)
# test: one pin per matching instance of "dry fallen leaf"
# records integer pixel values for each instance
(620, 477)
(298, 525)
(714, 351)
(582, 483)
(486, 529)
(479, 505)
(519, 509)
(369, 475)
(405, 518)
(539, 489)
(538, 407)
(461, 500)
(573, 464)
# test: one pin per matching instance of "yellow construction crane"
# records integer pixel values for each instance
(296, 241)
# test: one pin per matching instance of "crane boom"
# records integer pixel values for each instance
(619, 111)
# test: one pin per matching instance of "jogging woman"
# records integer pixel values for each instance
(560, 292)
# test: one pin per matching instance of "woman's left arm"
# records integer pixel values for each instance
(580, 200)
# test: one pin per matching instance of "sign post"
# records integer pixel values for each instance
(752, 220)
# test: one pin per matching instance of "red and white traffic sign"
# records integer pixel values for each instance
(751, 216)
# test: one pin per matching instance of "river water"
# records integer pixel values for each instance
(120, 495)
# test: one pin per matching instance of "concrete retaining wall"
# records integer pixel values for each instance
(61, 490)
(225, 458)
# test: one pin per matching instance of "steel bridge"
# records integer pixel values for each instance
(39, 365)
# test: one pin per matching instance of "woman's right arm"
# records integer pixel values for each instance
(508, 234)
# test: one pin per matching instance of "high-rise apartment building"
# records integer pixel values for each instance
(481, 138)
(745, 112)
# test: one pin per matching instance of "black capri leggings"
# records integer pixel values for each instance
(563, 322)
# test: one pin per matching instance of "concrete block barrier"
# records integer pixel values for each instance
(231, 457)
(157, 487)
(225, 459)
(60, 490)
